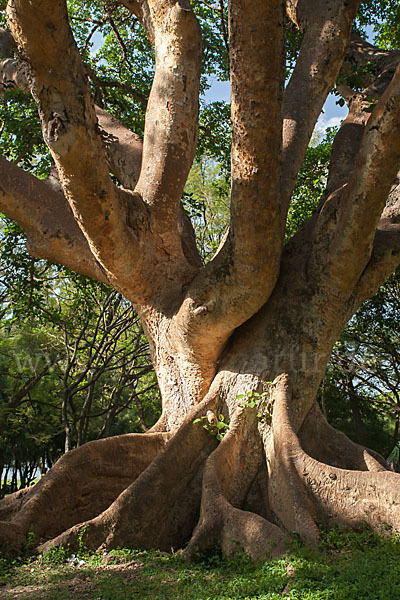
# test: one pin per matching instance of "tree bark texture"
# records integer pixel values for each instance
(260, 318)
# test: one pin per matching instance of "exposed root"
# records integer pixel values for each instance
(351, 498)
(228, 475)
(12, 538)
(79, 486)
(11, 504)
(160, 509)
(149, 490)
(287, 494)
(328, 445)
(330, 494)
(257, 498)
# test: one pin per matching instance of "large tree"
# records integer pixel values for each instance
(259, 319)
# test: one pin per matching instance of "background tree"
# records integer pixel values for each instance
(361, 391)
(260, 319)
(74, 361)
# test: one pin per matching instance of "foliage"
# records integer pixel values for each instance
(215, 136)
(21, 137)
(346, 566)
(260, 401)
(206, 200)
(383, 16)
(388, 32)
(216, 426)
(361, 390)
(311, 182)
(74, 363)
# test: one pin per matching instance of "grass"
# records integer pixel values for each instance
(346, 566)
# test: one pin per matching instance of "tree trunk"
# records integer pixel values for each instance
(279, 468)
(260, 318)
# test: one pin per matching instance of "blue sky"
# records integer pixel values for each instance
(331, 116)
(332, 113)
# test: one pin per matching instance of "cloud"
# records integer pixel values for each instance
(324, 123)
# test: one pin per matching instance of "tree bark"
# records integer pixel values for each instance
(259, 318)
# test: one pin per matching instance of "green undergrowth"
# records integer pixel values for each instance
(346, 566)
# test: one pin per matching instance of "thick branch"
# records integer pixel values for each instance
(172, 112)
(124, 153)
(327, 27)
(46, 218)
(70, 130)
(13, 74)
(240, 278)
(347, 223)
(123, 147)
(375, 79)
(385, 251)
(256, 147)
(170, 137)
(7, 44)
(53, 240)
(141, 10)
(378, 63)
(347, 143)
(385, 258)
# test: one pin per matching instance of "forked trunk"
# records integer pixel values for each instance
(259, 318)
(279, 467)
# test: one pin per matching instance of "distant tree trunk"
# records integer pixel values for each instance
(68, 444)
(396, 430)
(355, 411)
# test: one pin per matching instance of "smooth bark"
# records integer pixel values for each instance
(260, 317)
